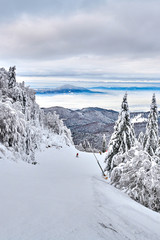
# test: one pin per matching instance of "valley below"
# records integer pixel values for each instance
(91, 123)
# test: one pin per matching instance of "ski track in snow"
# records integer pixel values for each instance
(65, 198)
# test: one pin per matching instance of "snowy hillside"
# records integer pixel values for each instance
(23, 125)
(64, 197)
(61, 196)
(91, 123)
(87, 124)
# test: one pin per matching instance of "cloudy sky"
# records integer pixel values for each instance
(82, 38)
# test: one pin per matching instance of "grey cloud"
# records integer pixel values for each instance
(54, 30)
(131, 31)
(11, 9)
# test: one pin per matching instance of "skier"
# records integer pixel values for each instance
(77, 155)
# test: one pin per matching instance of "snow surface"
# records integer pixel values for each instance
(65, 198)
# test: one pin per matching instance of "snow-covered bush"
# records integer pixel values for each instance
(23, 125)
(139, 177)
(12, 126)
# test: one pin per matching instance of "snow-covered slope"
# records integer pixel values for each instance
(91, 123)
(23, 125)
(65, 198)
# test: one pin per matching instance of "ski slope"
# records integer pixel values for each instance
(65, 198)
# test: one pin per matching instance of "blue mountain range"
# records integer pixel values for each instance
(67, 89)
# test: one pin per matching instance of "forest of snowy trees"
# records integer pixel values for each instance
(23, 125)
(134, 164)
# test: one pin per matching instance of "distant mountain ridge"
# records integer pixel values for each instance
(91, 123)
(71, 89)
(65, 89)
(128, 88)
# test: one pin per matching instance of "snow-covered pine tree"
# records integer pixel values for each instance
(122, 138)
(12, 77)
(151, 136)
(86, 146)
(104, 143)
(141, 138)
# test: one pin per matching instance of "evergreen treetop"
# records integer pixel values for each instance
(122, 138)
(151, 136)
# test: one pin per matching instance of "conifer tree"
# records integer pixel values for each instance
(86, 145)
(141, 138)
(12, 77)
(122, 138)
(104, 143)
(151, 136)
